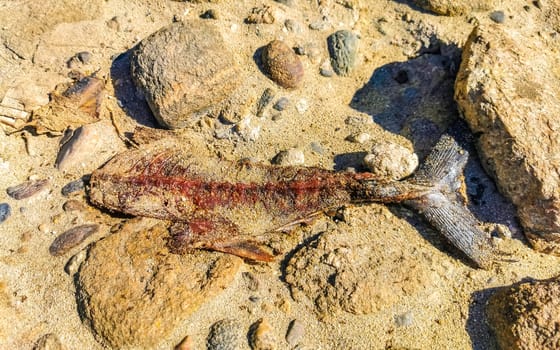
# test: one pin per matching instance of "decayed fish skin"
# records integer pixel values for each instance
(228, 206)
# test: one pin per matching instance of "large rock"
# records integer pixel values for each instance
(183, 70)
(508, 89)
(527, 315)
(455, 8)
(132, 291)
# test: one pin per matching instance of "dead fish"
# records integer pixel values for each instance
(228, 206)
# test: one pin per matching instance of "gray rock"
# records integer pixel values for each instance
(296, 331)
(133, 292)
(225, 334)
(498, 16)
(5, 211)
(293, 156)
(454, 7)
(508, 95)
(27, 189)
(526, 315)
(343, 47)
(183, 70)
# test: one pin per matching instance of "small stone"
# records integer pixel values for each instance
(114, 24)
(71, 238)
(260, 15)
(302, 106)
(362, 137)
(319, 25)
(391, 161)
(87, 148)
(317, 147)
(292, 26)
(264, 101)
(358, 120)
(184, 70)
(43, 228)
(498, 16)
(84, 56)
(296, 331)
(225, 334)
(27, 189)
(404, 320)
(262, 336)
(300, 50)
(5, 211)
(343, 47)
(526, 315)
(48, 342)
(326, 72)
(456, 7)
(282, 65)
(73, 205)
(292, 156)
(73, 186)
(281, 104)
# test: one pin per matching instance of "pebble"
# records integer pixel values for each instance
(5, 211)
(282, 64)
(343, 47)
(302, 106)
(405, 319)
(250, 280)
(362, 137)
(391, 161)
(264, 101)
(84, 56)
(292, 156)
(27, 189)
(263, 337)
(319, 25)
(498, 16)
(317, 147)
(73, 205)
(225, 335)
(72, 238)
(292, 26)
(296, 331)
(260, 15)
(358, 120)
(326, 72)
(73, 186)
(209, 14)
(281, 104)
(114, 24)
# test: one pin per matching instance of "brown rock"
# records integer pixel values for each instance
(526, 315)
(282, 64)
(455, 8)
(183, 70)
(508, 94)
(132, 291)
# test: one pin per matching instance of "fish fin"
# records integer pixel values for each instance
(218, 234)
(444, 205)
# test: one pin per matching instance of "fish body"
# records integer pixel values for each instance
(229, 206)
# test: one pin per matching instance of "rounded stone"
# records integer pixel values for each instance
(133, 292)
(183, 70)
(391, 161)
(282, 64)
(526, 315)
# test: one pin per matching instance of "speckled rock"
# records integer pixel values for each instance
(361, 271)
(292, 156)
(508, 95)
(183, 70)
(225, 334)
(132, 291)
(456, 8)
(343, 48)
(391, 161)
(282, 64)
(526, 316)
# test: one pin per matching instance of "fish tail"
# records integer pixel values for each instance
(444, 207)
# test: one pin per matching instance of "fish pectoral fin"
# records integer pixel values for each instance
(217, 234)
